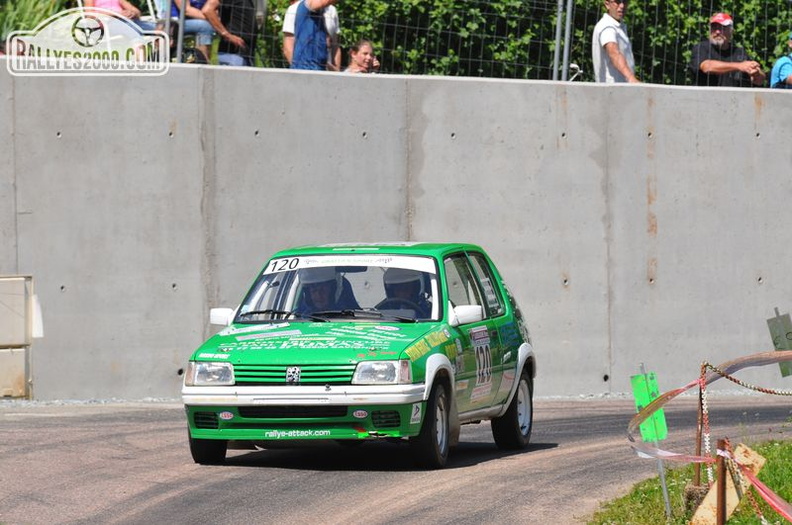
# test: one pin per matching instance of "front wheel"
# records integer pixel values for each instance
(430, 447)
(512, 431)
(208, 451)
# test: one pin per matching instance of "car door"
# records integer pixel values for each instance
(503, 325)
(478, 343)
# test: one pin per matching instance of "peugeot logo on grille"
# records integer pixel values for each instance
(293, 375)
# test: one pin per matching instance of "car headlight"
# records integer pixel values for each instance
(205, 373)
(382, 373)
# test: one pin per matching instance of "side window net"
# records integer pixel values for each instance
(491, 296)
(462, 288)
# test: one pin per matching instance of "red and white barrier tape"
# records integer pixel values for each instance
(724, 370)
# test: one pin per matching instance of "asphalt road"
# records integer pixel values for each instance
(130, 463)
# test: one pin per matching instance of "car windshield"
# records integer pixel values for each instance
(366, 288)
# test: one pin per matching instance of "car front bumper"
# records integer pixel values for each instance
(304, 413)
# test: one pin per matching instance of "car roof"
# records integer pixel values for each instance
(432, 249)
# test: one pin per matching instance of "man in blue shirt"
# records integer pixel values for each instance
(311, 35)
(781, 76)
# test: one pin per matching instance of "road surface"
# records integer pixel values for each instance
(129, 463)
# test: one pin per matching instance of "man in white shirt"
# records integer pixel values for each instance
(610, 46)
(331, 25)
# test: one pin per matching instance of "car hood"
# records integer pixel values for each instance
(319, 343)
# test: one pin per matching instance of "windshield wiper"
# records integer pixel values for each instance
(282, 313)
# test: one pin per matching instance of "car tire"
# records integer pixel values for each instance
(430, 446)
(208, 451)
(512, 431)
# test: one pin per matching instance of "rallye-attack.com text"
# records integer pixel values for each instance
(280, 434)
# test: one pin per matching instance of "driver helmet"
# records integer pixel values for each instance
(397, 276)
(319, 275)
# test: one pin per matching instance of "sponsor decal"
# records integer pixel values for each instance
(374, 353)
(481, 392)
(451, 350)
(454, 353)
(207, 355)
(459, 364)
(364, 332)
(418, 350)
(360, 414)
(436, 338)
(481, 345)
(286, 264)
(247, 329)
(268, 335)
(226, 415)
(87, 42)
(387, 328)
(295, 434)
(415, 416)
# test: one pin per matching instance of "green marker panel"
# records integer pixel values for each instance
(781, 331)
(645, 391)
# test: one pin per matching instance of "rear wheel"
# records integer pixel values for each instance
(208, 451)
(430, 447)
(512, 431)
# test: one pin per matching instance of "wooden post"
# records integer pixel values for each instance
(707, 512)
(721, 515)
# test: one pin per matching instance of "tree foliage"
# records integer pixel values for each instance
(24, 15)
(494, 38)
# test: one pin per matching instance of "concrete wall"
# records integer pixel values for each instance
(634, 223)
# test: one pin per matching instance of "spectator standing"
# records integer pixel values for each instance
(781, 75)
(616, 63)
(235, 22)
(288, 31)
(362, 59)
(716, 62)
(315, 30)
(195, 23)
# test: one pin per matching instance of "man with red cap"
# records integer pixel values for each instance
(716, 62)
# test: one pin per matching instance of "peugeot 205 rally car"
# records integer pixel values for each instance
(354, 342)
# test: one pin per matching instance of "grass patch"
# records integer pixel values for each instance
(645, 505)
(25, 15)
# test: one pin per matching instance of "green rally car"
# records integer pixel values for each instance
(357, 342)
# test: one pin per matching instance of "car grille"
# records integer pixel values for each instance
(386, 418)
(309, 374)
(205, 420)
(283, 412)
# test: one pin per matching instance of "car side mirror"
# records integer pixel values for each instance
(465, 313)
(221, 316)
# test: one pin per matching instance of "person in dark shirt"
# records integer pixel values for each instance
(235, 22)
(717, 62)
